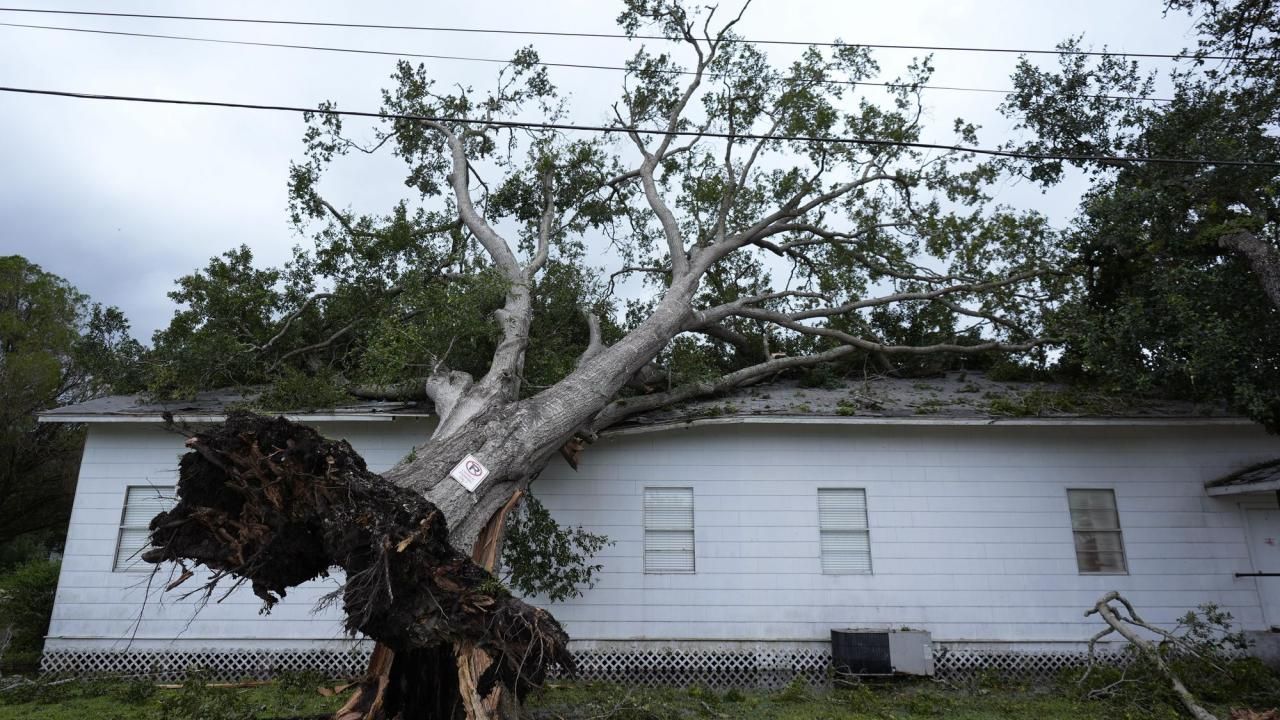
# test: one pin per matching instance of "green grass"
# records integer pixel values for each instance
(122, 700)
(879, 701)
(884, 700)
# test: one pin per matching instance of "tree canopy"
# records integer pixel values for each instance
(56, 347)
(801, 243)
(1181, 263)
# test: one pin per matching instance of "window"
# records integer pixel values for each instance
(842, 524)
(1096, 526)
(141, 503)
(668, 530)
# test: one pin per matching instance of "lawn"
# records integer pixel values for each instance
(298, 697)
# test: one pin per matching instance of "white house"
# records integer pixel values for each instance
(745, 529)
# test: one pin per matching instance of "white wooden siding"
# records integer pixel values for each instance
(970, 531)
(971, 534)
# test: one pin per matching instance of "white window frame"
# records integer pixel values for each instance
(1118, 531)
(133, 562)
(864, 531)
(649, 527)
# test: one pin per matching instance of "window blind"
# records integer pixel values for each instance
(845, 544)
(668, 530)
(141, 503)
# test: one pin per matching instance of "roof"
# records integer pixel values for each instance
(1256, 478)
(955, 398)
(213, 406)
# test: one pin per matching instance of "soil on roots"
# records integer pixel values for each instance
(273, 503)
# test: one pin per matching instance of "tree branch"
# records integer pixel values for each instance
(621, 409)
(545, 229)
(1121, 625)
(595, 345)
(1263, 259)
(289, 320)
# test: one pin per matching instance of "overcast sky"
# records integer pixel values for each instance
(121, 198)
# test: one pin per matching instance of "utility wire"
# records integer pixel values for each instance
(579, 66)
(1111, 160)
(550, 33)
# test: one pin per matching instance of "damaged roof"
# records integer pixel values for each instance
(951, 398)
(213, 406)
(1255, 478)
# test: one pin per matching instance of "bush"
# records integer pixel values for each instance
(25, 548)
(26, 603)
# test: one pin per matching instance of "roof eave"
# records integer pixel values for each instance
(298, 417)
(1242, 488)
(936, 421)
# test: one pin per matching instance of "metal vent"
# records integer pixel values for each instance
(861, 652)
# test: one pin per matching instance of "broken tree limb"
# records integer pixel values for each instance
(275, 504)
(1125, 626)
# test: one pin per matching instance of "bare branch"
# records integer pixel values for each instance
(343, 221)
(954, 289)
(734, 338)
(289, 321)
(414, 389)
(791, 323)
(493, 243)
(622, 409)
(618, 180)
(981, 314)
(634, 269)
(1121, 625)
(317, 345)
(595, 345)
(544, 228)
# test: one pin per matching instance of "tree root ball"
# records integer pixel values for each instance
(273, 503)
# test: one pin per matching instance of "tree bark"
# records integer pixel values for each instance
(272, 503)
(1263, 259)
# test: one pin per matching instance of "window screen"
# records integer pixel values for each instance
(141, 503)
(1096, 526)
(668, 530)
(842, 525)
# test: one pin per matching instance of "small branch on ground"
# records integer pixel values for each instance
(1125, 624)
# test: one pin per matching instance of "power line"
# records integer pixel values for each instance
(578, 66)
(554, 33)
(606, 129)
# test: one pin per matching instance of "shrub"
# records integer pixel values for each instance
(26, 603)
(797, 691)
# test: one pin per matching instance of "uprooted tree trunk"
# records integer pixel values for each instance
(272, 503)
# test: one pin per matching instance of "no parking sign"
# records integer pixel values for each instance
(469, 472)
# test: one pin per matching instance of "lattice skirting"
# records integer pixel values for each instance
(221, 665)
(949, 663)
(758, 667)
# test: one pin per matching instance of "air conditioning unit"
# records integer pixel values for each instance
(857, 651)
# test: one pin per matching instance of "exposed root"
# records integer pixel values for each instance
(274, 503)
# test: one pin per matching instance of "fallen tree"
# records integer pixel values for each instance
(272, 503)
(776, 222)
